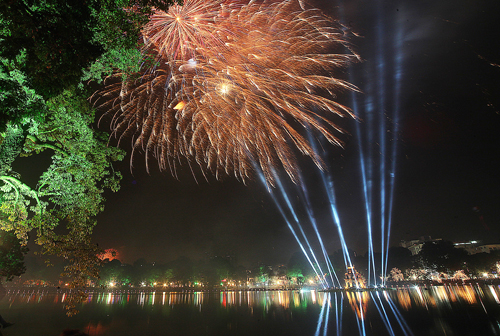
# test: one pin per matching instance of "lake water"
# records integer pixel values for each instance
(440, 310)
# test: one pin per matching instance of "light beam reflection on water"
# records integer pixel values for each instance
(460, 309)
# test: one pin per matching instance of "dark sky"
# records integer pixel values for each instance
(447, 131)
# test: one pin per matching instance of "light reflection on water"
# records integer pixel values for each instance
(438, 310)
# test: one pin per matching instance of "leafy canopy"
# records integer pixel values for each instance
(59, 39)
(11, 256)
(48, 48)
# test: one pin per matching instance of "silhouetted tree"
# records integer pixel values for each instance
(298, 267)
(480, 263)
(183, 269)
(11, 256)
(111, 271)
(399, 257)
(442, 256)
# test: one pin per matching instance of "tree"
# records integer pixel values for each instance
(399, 257)
(153, 275)
(167, 275)
(299, 267)
(11, 256)
(396, 274)
(54, 41)
(17, 100)
(46, 46)
(69, 192)
(442, 256)
(183, 269)
(480, 263)
(261, 273)
(218, 269)
(111, 272)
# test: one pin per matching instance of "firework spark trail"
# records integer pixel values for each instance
(139, 108)
(262, 79)
(228, 85)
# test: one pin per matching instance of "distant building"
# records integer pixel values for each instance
(473, 247)
(487, 248)
(470, 246)
(415, 245)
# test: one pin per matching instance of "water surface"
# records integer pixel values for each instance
(440, 310)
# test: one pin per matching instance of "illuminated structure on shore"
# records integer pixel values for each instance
(353, 279)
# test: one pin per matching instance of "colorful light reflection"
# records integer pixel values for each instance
(335, 309)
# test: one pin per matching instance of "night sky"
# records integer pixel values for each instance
(448, 148)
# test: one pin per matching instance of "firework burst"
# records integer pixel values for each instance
(177, 33)
(234, 89)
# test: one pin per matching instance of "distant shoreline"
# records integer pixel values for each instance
(389, 286)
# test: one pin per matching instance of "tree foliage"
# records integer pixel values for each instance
(11, 256)
(298, 267)
(69, 192)
(17, 101)
(399, 257)
(48, 49)
(442, 256)
(54, 41)
(480, 263)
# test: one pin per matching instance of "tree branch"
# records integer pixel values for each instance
(46, 145)
(12, 180)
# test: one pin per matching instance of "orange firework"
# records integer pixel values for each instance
(177, 33)
(143, 109)
(239, 94)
